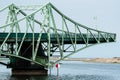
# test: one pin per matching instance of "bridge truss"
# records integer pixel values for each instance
(47, 27)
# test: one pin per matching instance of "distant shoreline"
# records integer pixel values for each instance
(97, 60)
(103, 60)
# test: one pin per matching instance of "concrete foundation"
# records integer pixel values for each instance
(29, 72)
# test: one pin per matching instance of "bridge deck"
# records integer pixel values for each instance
(44, 38)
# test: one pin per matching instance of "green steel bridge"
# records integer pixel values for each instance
(29, 36)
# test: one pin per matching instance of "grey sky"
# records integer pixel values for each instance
(84, 11)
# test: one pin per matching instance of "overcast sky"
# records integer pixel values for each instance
(83, 12)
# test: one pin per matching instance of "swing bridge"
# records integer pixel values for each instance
(31, 35)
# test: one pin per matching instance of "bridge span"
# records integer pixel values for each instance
(30, 39)
(53, 37)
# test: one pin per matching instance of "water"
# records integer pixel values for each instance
(72, 70)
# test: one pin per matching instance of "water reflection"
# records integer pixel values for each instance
(81, 77)
(29, 77)
(63, 77)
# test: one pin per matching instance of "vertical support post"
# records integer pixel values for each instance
(11, 15)
(33, 41)
(16, 43)
(87, 37)
(98, 37)
(62, 37)
(75, 36)
(107, 37)
(49, 40)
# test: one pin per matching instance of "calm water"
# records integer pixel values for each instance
(72, 70)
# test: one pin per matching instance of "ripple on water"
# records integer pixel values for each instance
(80, 77)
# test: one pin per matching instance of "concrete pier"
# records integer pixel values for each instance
(23, 67)
(29, 72)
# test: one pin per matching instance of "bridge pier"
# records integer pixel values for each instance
(29, 72)
(24, 67)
